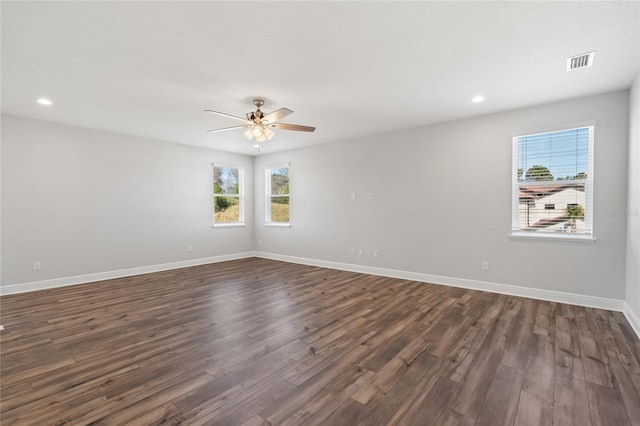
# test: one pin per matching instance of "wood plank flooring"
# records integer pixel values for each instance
(259, 342)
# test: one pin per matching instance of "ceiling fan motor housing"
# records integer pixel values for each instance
(256, 115)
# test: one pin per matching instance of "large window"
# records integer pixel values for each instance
(277, 195)
(553, 183)
(228, 195)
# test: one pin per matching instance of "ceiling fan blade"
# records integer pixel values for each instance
(226, 128)
(228, 115)
(297, 127)
(276, 115)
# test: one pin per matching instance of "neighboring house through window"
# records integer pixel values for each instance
(553, 183)
(228, 195)
(277, 195)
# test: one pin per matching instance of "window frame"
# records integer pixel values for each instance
(268, 195)
(516, 231)
(240, 196)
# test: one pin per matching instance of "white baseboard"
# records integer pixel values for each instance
(512, 290)
(534, 293)
(107, 275)
(633, 319)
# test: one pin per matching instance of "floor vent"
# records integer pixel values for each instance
(581, 61)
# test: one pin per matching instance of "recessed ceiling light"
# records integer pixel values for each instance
(477, 99)
(44, 101)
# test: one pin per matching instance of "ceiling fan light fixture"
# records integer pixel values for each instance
(268, 133)
(257, 131)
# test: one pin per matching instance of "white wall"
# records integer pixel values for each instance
(83, 202)
(633, 208)
(442, 198)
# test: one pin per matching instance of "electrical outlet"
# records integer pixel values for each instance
(190, 249)
(376, 253)
(37, 266)
(360, 252)
(353, 252)
(485, 265)
(353, 196)
(371, 195)
(259, 242)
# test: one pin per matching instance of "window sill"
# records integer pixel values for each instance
(228, 225)
(553, 236)
(278, 225)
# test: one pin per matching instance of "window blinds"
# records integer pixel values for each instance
(553, 182)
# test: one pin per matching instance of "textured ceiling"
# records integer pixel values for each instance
(349, 68)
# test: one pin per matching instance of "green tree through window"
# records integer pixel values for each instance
(227, 194)
(277, 192)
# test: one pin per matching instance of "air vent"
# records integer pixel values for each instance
(581, 61)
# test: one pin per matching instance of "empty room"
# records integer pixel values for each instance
(337, 213)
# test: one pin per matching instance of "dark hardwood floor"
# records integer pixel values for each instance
(259, 342)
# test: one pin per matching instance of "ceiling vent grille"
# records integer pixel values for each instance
(580, 61)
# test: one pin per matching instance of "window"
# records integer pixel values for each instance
(553, 183)
(277, 195)
(228, 195)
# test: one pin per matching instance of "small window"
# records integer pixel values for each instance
(552, 183)
(228, 195)
(277, 195)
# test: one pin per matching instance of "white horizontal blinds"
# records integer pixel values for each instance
(553, 177)
(278, 194)
(227, 192)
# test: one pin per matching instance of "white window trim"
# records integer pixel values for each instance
(552, 236)
(228, 225)
(267, 196)
(553, 128)
(515, 188)
(240, 196)
(278, 224)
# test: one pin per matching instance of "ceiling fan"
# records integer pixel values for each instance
(259, 124)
